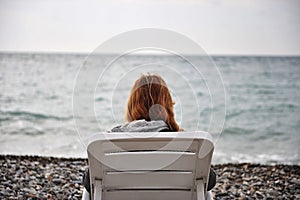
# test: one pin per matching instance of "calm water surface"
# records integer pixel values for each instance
(262, 107)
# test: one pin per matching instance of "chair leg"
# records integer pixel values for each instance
(209, 195)
(98, 190)
(200, 190)
(85, 195)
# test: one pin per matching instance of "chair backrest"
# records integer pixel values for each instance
(164, 165)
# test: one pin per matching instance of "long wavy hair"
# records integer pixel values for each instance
(150, 99)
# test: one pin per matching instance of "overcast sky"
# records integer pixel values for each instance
(220, 27)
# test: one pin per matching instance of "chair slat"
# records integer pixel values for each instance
(150, 161)
(148, 195)
(149, 180)
(150, 144)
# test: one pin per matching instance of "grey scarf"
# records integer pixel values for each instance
(142, 126)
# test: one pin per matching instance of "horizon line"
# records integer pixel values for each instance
(144, 54)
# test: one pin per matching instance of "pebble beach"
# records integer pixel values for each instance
(33, 177)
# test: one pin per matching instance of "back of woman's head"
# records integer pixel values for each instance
(150, 99)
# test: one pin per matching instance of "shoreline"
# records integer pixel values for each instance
(36, 177)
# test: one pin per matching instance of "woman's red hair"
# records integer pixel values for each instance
(150, 99)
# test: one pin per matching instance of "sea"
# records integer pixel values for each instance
(49, 102)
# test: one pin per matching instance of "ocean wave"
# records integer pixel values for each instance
(266, 91)
(7, 115)
(99, 99)
(267, 108)
(237, 131)
(234, 114)
(268, 135)
(282, 107)
(30, 131)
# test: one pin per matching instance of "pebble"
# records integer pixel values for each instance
(32, 177)
(255, 181)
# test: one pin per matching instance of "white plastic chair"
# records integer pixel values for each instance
(149, 166)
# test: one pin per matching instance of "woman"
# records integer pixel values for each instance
(150, 109)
